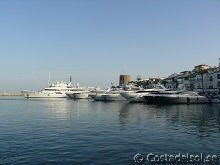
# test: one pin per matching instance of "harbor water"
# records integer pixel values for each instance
(64, 131)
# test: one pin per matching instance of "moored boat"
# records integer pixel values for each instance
(138, 96)
(187, 97)
(99, 97)
(57, 90)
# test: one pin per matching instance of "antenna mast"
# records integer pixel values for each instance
(48, 79)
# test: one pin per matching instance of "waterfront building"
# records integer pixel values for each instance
(212, 81)
(203, 78)
(185, 79)
(198, 87)
(171, 81)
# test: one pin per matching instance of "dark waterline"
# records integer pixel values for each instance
(62, 131)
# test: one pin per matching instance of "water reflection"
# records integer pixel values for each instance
(65, 131)
(202, 119)
(54, 108)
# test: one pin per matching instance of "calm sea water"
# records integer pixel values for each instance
(62, 131)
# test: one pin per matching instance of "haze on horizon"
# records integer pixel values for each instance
(94, 41)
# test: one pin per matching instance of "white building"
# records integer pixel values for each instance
(198, 83)
(212, 81)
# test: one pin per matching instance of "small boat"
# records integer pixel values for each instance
(187, 97)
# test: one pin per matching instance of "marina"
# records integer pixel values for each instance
(182, 88)
(110, 82)
(127, 91)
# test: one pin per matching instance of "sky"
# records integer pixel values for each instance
(95, 41)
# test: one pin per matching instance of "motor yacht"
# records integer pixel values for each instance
(138, 96)
(150, 96)
(56, 90)
(187, 97)
(99, 97)
(111, 94)
(95, 91)
(114, 95)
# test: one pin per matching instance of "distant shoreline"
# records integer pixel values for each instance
(10, 94)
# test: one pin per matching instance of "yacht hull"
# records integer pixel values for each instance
(133, 97)
(44, 94)
(99, 97)
(175, 99)
(81, 95)
(114, 97)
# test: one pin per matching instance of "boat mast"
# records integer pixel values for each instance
(48, 79)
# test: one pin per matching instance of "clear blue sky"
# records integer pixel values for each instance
(94, 40)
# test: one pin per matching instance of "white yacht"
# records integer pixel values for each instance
(57, 90)
(111, 94)
(114, 95)
(150, 97)
(94, 92)
(78, 92)
(84, 93)
(99, 97)
(138, 96)
(187, 97)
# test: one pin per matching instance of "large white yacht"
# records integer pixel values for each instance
(56, 90)
(110, 94)
(138, 96)
(187, 97)
(113, 93)
(150, 97)
(95, 91)
(99, 95)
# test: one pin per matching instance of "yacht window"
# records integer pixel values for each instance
(50, 89)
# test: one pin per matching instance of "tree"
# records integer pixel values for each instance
(139, 78)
